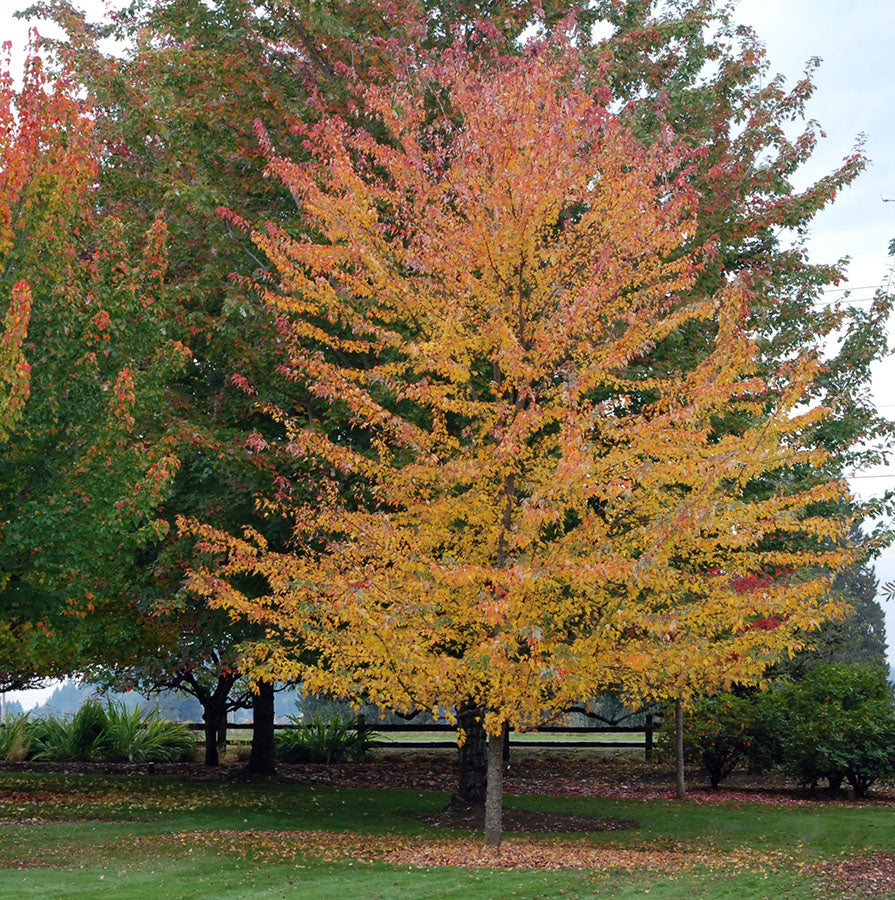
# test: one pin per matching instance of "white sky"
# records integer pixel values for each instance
(855, 42)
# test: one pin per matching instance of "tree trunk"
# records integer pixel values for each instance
(222, 732)
(679, 749)
(494, 793)
(473, 757)
(213, 713)
(261, 760)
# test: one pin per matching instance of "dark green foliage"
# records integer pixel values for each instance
(110, 733)
(841, 726)
(716, 735)
(836, 724)
(767, 723)
(857, 639)
(322, 740)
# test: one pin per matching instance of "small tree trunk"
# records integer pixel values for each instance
(494, 793)
(261, 760)
(212, 714)
(648, 739)
(222, 732)
(473, 757)
(679, 749)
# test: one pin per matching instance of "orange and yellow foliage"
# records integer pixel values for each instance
(511, 507)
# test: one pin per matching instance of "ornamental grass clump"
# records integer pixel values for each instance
(62, 739)
(136, 735)
(323, 740)
(110, 733)
(14, 738)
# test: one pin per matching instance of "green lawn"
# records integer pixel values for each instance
(153, 837)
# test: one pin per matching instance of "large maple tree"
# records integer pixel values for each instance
(512, 509)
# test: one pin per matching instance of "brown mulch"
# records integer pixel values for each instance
(525, 821)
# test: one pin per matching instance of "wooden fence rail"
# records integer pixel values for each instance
(648, 731)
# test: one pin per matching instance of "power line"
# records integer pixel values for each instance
(846, 301)
(865, 287)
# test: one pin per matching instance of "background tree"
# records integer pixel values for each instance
(195, 657)
(859, 638)
(77, 491)
(176, 109)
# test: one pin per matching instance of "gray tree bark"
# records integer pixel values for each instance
(494, 792)
(679, 749)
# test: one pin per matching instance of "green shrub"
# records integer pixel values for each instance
(836, 724)
(14, 738)
(767, 725)
(841, 726)
(138, 736)
(323, 740)
(716, 735)
(109, 733)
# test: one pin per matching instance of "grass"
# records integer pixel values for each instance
(147, 837)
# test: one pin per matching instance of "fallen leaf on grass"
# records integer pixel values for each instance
(862, 875)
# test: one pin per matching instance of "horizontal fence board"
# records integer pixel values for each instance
(547, 729)
(443, 729)
(590, 735)
(440, 745)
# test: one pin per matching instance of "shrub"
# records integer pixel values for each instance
(138, 736)
(767, 725)
(716, 735)
(110, 733)
(841, 726)
(323, 740)
(14, 738)
(836, 724)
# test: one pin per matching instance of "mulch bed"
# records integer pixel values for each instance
(556, 774)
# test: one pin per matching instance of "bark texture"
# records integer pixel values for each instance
(213, 714)
(494, 793)
(261, 760)
(679, 749)
(473, 756)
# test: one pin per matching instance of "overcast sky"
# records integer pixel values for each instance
(854, 91)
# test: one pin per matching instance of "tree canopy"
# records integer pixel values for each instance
(520, 508)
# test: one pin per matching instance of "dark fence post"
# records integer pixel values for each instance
(361, 726)
(648, 738)
(506, 742)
